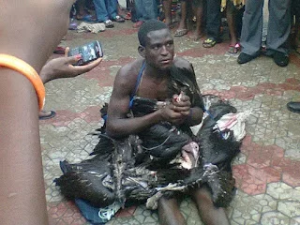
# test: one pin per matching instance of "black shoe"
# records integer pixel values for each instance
(293, 107)
(244, 58)
(281, 59)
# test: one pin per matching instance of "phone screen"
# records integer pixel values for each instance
(89, 52)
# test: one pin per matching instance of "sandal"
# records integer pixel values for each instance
(119, 19)
(109, 24)
(181, 32)
(128, 16)
(209, 43)
(234, 49)
(44, 115)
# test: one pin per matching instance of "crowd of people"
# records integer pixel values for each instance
(23, 192)
(244, 20)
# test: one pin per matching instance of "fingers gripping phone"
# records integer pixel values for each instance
(88, 52)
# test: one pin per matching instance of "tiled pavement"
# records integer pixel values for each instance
(268, 169)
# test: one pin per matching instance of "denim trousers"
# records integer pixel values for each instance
(105, 9)
(146, 9)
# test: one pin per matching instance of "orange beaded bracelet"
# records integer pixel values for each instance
(25, 69)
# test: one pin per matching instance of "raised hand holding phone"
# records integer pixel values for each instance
(66, 67)
(88, 52)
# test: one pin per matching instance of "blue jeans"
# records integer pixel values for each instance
(146, 9)
(105, 9)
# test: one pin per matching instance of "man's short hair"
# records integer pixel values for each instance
(148, 26)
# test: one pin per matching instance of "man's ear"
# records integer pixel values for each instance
(141, 50)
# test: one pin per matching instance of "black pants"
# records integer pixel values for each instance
(213, 19)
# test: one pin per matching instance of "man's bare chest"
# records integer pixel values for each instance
(153, 89)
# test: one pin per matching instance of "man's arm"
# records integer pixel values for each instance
(63, 67)
(118, 125)
(30, 36)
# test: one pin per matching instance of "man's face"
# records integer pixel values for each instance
(159, 50)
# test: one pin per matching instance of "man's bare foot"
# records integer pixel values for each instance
(197, 36)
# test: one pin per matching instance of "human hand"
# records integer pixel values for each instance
(182, 104)
(177, 110)
(63, 67)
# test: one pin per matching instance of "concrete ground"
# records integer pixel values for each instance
(267, 170)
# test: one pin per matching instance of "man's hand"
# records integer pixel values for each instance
(63, 67)
(177, 110)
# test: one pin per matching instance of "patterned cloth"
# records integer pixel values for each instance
(237, 3)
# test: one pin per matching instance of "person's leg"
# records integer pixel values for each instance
(231, 10)
(167, 10)
(198, 4)
(101, 12)
(150, 8)
(213, 23)
(112, 8)
(182, 28)
(169, 213)
(251, 37)
(213, 18)
(252, 27)
(230, 14)
(208, 212)
(140, 12)
(279, 30)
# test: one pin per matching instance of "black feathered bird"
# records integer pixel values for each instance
(127, 170)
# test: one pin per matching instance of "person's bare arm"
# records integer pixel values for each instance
(118, 125)
(63, 67)
(27, 33)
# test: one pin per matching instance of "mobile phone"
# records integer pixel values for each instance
(89, 52)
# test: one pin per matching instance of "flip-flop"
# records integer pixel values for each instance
(209, 43)
(119, 19)
(234, 49)
(181, 32)
(127, 16)
(48, 116)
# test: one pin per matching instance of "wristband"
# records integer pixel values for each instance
(28, 71)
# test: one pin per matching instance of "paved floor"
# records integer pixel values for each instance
(268, 169)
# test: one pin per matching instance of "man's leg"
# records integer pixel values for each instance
(251, 37)
(167, 10)
(169, 213)
(182, 28)
(279, 30)
(252, 27)
(213, 23)
(209, 214)
(151, 9)
(112, 8)
(198, 5)
(101, 12)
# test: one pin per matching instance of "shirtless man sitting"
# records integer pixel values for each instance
(149, 77)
